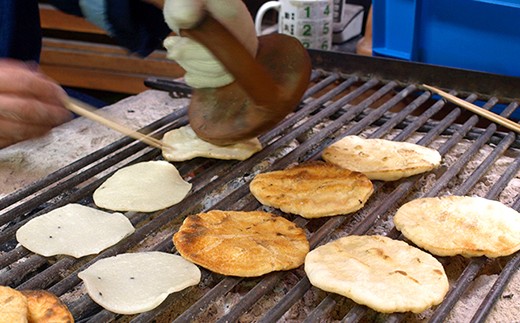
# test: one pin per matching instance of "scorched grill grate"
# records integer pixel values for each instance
(349, 94)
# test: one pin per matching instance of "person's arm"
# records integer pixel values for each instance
(137, 25)
(202, 68)
(30, 103)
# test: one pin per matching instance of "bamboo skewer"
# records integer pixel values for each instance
(88, 113)
(476, 109)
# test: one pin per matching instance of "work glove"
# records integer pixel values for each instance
(202, 68)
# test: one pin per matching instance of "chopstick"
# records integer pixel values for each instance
(88, 112)
(476, 109)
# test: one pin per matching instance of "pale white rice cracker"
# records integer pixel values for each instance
(133, 283)
(452, 225)
(381, 159)
(142, 187)
(384, 274)
(75, 230)
(187, 145)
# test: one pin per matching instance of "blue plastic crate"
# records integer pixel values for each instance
(482, 35)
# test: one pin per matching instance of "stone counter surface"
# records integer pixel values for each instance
(28, 161)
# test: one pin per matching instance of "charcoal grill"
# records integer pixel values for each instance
(349, 94)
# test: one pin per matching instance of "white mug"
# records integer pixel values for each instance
(308, 20)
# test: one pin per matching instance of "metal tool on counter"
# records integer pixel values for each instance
(266, 88)
(175, 88)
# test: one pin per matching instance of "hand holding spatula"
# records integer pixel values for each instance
(265, 89)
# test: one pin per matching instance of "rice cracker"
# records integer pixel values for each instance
(13, 306)
(384, 274)
(452, 225)
(146, 186)
(244, 244)
(381, 159)
(313, 190)
(186, 145)
(137, 282)
(44, 306)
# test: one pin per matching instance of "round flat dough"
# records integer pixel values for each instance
(43, 306)
(313, 190)
(381, 159)
(453, 225)
(13, 306)
(138, 282)
(75, 230)
(245, 244)
(142, 187)
(384, 274)
(187, 146)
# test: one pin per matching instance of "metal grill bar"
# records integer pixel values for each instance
(421, 120)
(218, 291)
(456, 292)
(496, 290)
(487, 163)
(505, 178)
(400, 116)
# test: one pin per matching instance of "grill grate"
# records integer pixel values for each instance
(348, 95)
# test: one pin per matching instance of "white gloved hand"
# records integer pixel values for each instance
(202, 68)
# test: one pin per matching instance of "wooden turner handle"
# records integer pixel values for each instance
(249, 74)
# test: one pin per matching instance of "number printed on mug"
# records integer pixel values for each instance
(325, 45)
(326, 11)
(319, 10)
(308, 20)
(326, 28)
(307, 30)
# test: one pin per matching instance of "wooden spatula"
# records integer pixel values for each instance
(266, 87)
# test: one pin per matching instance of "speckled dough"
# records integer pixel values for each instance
(381, 159)
(186, 145)
(452, 225)
(245, 244)
(313, 190)
(142, 187)
(133, 283)
(384, 274)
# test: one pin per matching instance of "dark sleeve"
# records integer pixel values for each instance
(20, 34)
(139, 26)
(69, 6)
(136, 25)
